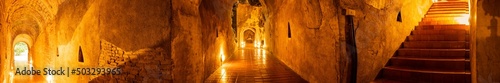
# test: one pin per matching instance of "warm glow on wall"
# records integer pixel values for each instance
(243, 44)
(463, 19)
(257, 44)
(434, 1)
(263, 56)
(222, 56)
(259, 54)
(30, 63)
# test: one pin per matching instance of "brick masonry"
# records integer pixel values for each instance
(144, 65)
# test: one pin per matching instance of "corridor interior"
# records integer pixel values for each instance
(249, 41)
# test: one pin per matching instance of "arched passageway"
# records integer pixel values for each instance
(21, 55)
(249, 36)
(22, 59)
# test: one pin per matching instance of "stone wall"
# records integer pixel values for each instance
(487, 37)
(378, 33)
(315, 49)
(3, 53)
(152, 65)
(202, 35)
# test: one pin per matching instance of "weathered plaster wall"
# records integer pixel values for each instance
(378, 33)
(218, 38)
(83, 23)
(487, 41)
(315, 50)
(3, 53)
(185, 42)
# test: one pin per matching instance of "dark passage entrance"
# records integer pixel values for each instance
(249, 36)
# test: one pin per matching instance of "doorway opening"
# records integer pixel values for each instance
(21, 55)
(249, 37)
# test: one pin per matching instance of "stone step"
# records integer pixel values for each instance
(453, 12)
(442, 19)
(446, 15)
(441, 23)
(450, 20)
(438, 38)
(449, 9)
(448, 6)
(439, 32)
(433, 53)
(448, 12)
(436, 44)
(455, 65)
(450, 2)
(425, 76)
(443, 27)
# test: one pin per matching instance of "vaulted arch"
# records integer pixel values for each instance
(23, 38)
(241, 35)
(27, 17)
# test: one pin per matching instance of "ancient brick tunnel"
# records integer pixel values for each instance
(289, 41)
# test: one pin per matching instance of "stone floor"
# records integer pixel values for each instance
(28, 78)
(252, 65)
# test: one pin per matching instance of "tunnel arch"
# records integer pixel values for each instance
(40, 12)
(27, 17)
(21, 52)
(241, 36)
(25, 38)
(21, 22)
(249, 36)
(28, 27)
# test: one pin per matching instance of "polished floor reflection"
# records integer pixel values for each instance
(27, 78)
(253, 65)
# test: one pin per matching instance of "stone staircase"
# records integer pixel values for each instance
(437, 51)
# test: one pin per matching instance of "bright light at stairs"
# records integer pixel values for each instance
(464, 19)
